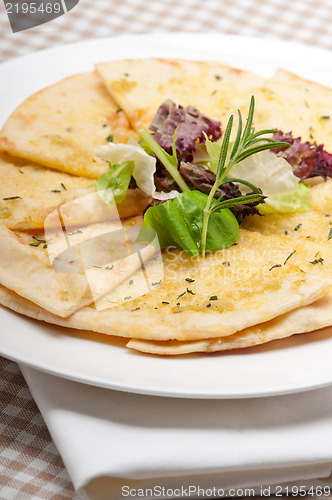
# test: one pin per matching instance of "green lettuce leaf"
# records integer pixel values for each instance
(297, 201)
(213, 149)
(170, 162)
(114, 184)
(271, 173)
(178, 222)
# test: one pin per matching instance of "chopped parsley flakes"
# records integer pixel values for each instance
(317, 261)
(289, 256)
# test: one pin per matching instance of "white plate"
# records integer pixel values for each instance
(292, 365)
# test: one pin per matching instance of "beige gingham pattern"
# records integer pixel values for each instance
(31, 468)
(307, 21)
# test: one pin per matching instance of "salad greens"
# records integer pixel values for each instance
(296, 201)
(193, 220)
(307, 159)
(247, 143)
(179, 223)
(272, 173)
(114, 184)
(144, 165)
(200, 226)
(169, 161)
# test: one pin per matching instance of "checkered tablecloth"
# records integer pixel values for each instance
(30, 466)
(307, 21)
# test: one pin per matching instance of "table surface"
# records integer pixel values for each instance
(31, 467)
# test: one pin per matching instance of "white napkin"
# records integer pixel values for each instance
(113, 442)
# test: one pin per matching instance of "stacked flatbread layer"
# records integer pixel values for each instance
(66, 259)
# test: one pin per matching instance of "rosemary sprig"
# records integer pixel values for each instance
(247, 143)
(233, 202)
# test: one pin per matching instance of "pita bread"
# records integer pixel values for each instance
(314, 224)
(249, 286)
(250, 293)
(294, 104)
(23, 206)
(37, 192)
(306, 319)
(321, 198)
(60, 126)
(59, 288)
(216, 89)
(27, 271)
(88, 318)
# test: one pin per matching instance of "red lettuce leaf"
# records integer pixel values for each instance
(189, 123)
(307, 159)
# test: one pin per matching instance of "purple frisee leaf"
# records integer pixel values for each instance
(201, 179)
(307, 160)
(189, 123)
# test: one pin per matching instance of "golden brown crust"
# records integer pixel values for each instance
(60, 126)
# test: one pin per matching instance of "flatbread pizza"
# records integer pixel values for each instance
(286, 99)
(215, 88)
(59, 128)
(23, 207)
(146, 214)
(60, 125)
